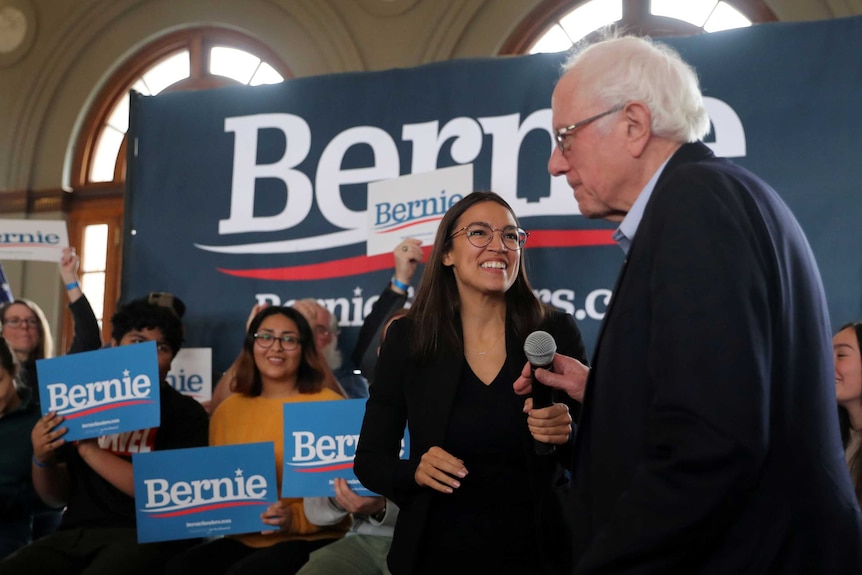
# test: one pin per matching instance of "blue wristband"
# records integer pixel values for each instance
(37, 463)
(400, 285)
(72, 285)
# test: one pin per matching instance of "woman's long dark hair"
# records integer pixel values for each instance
(436, 309)
(8, 361)
(311, 371)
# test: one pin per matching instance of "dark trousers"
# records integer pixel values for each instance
(46, 522)
(13, 536)
(229, 556)
(91, 552)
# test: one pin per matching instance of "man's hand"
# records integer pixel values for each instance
(308, 310)
(47, 436)
(569, 375)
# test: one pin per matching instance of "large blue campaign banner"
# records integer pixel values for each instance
(261, 194)
(203, 491)
(102, 392)
(320, 440)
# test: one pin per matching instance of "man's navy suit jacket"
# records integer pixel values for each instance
(709, 441)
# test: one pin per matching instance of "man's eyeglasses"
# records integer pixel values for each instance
(480, 235)
(562, 134)
(21, 322)
(288, 342)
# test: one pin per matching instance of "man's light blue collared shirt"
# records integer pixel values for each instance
(625, 233)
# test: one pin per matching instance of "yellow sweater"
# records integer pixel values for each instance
(242, 419)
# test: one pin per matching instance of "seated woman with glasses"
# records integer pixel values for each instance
(18, 415)
(279, 363)
(28, 334)
(473, 485)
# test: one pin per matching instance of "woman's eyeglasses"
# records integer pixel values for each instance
(480, 235)
(21, 322)
(288, 342)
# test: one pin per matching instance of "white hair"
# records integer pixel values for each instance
(621, 69)
(332, 353)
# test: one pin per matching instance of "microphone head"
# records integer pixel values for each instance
(540, 347)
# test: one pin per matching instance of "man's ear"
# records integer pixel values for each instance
(638, 127)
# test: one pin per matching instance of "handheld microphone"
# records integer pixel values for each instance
(540, 347)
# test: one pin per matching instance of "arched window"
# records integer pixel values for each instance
(192, 59)
(554, 26)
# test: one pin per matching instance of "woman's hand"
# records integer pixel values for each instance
(278, 515)
(551, 424)
(69, 263)
(408, 254)
(47, 436)
(350, 501)
(438, 470)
